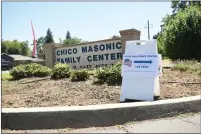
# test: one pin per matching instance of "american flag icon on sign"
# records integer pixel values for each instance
(128, 62)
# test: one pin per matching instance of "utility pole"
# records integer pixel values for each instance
(148, 26)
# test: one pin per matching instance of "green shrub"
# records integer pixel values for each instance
(181, 38)
(114, 75)
(118, 65)
(101, 74)
(60, 70)
(79, 75)
(91, 72)
(36, 70)
(111, 75)
(29, 70)
(187, 65)
(18, 72)
(42, 72)
(181, 67)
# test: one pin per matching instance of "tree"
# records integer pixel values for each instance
(73, 41)
(41, 53)
(24, 48)
(49, 37)
(40, 42)
(68, 36)
(15, 47)
(4, 47)
(115, 37)
(40, 48)
(166, 19)
(181, 5)
(181, 38)
(156, 35)
(60, 41)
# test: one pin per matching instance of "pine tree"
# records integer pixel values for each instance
(115, 37)
(68, 36)
(49, 37)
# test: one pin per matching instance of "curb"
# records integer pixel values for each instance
(96, 115)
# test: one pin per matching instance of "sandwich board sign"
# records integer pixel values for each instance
(141, 68)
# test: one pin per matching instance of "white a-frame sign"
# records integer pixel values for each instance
(141, 69)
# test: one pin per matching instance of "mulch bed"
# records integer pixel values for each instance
(47, 92)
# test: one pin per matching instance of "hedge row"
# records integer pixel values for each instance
(30, 70)
(63, 71)
(59, 71)
(110, 75)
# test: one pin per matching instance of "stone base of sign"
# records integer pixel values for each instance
(95, 115)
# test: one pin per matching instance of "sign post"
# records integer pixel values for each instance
(140, 71)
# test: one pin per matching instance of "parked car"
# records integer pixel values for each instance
(6, 65)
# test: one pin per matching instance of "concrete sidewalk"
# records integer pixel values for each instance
(179, 124)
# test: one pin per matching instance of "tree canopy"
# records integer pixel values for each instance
(68, 36)
(115, 37)
(181, 5)
(15, 47)
(156, 35)
(181, 37)
(73, 41)
(40, 49)
(49, 37)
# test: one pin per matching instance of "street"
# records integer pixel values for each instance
(179, 124)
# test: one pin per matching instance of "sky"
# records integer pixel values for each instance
(89, 21)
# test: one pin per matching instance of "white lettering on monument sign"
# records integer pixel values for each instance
(91, 55)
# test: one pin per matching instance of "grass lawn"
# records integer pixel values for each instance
(190, 66)
(6, 76)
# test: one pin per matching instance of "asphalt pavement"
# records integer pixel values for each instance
(179, 124)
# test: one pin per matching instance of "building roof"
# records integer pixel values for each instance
(37, 59)
(18, 57)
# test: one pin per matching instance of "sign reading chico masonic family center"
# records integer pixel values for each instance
(92, 55)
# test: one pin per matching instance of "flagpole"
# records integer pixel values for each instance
(34, 52)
